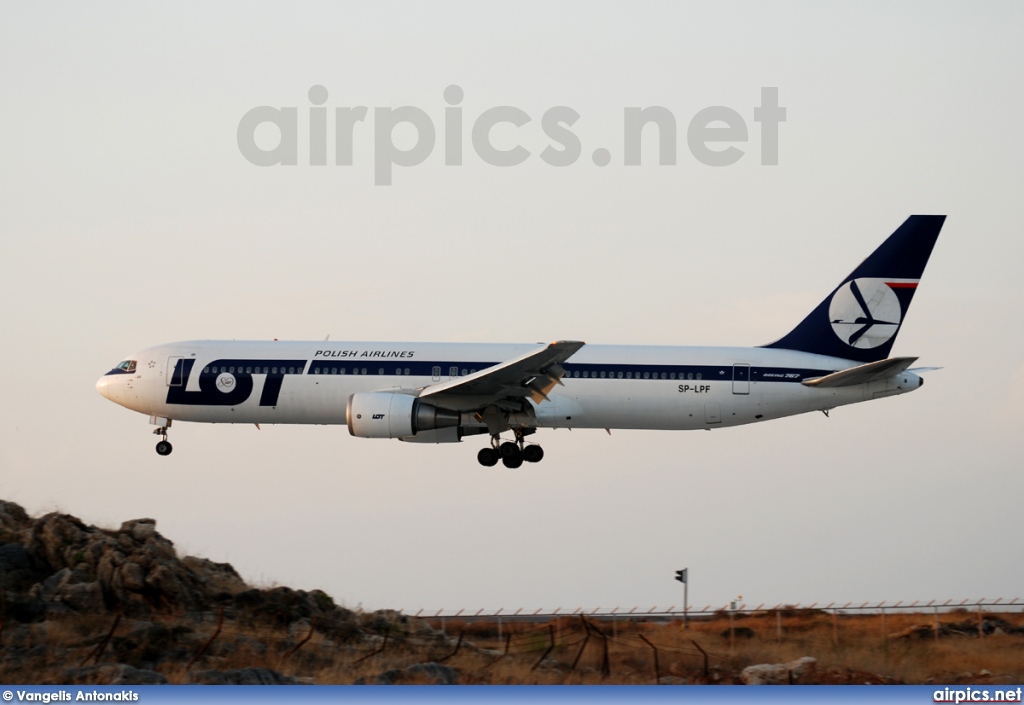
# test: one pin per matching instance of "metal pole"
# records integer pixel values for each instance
(686, 602)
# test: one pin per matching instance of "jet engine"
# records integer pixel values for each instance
(391, 415)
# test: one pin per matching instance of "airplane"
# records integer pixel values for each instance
(445, 392)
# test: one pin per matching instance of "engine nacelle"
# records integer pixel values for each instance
(390, 415)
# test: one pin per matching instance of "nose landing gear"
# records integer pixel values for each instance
(510, 453)
(163, 447)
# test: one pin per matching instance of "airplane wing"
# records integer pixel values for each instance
(507, 384)
(863, 373)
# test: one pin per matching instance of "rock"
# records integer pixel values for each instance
(298, 629)
(434, 673)
(216, 578)
(771, 673)
(111, 674)
(13, 556)
(19, 569)
(13, 519)
(132, 577)
(53, 584)
(68, 565)
(140, 529)
(240, 676)
(82, 597)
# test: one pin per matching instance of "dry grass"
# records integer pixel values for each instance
(848, 648)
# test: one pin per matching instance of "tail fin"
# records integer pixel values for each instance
(860, 319)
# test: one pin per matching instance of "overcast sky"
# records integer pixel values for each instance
(129, 217)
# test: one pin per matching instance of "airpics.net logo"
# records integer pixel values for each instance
(712, 134)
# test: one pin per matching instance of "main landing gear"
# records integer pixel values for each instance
(510, 453)
(163, 447)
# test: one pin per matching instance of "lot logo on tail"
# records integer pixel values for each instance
(866, 312)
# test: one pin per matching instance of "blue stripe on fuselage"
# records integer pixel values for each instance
(422, 368)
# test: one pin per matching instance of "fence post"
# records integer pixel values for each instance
(732, 631)
(885, 635)
(580, 653)
(606, 666)
(705, 653)
(458, 646)
(216, 633)
(657, 665)
(95, 653)
(312, 628)
(551, 630)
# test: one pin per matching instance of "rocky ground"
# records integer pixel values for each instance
(82, 604)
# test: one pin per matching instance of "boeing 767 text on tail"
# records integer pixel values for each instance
(444, 392)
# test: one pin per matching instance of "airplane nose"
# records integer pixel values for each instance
(103, 386)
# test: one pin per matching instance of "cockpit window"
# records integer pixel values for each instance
(127, 366)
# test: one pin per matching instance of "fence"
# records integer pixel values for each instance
(707, 610)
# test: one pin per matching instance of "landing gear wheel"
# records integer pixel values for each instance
(163, 448)
(533, 454)
(515, 459)
(508, 449)
(488, 457)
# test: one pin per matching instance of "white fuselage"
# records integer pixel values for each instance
(605, 386)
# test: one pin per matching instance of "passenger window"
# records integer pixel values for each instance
(671, 375)
(206, 369)
(619, 375)
(647, 375)
(690, 376)
(453, 371)
(380, 370)
(248, 370)
(316, 370)
(406, 370)
(362, 371)
(463, 373)
(602, 374)
(663, 375)
(699, 375)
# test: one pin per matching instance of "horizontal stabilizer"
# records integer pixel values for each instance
(863, 374)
